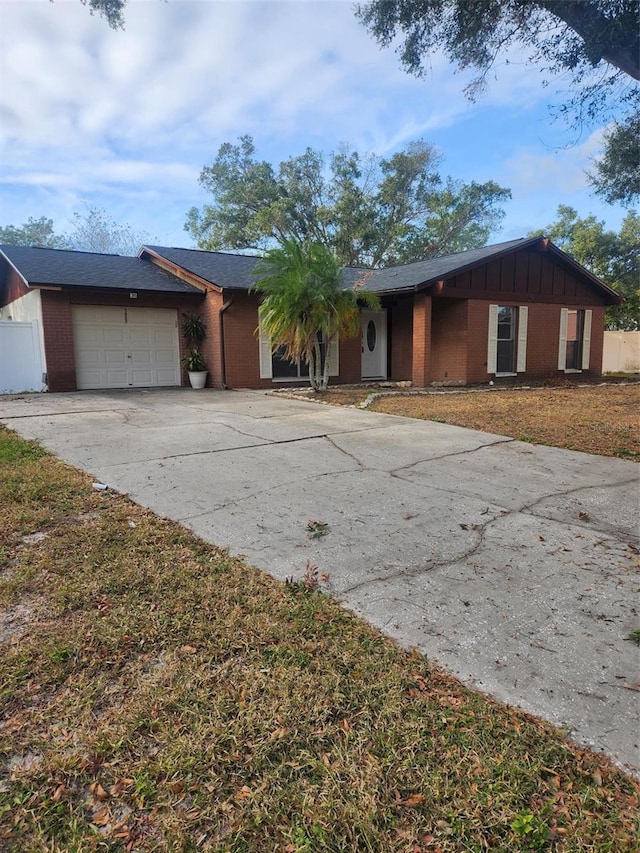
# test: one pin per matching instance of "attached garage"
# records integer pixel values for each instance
(118, 347)
(104, 321)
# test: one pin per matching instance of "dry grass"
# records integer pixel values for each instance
(158, 694)
(600, 419)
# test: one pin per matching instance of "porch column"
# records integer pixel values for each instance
(420, 375)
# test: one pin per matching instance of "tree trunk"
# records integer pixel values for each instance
(617, 45)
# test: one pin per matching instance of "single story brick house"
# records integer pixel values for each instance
(521, 308)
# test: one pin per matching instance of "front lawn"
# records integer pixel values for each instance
(599, 419)
(158, 694)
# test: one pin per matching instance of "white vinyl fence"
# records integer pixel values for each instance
(20, 360)
(621, 352)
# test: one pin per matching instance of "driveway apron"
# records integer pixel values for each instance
(515, 566)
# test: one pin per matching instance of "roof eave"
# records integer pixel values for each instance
(615, 298)
(15, 268)
(179, 271)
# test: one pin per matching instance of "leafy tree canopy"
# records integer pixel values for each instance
(613, 257)
(96, 231)
(303, 306)
(111, 10)
(370, 211)
(594, 44)
(34, 232)
(616, 175)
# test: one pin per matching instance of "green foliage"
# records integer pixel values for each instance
(194, 362)
(564, 37)
(110, 10)
(533, 830)
(615, 258)
(594, 45)
(304, 307)
(194, 329)
(616, 175)
(369, 211)
(33, 232)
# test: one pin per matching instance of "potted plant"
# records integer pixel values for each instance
(194, 332)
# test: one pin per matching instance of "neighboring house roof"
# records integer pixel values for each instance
(65, 268)
(225, 270)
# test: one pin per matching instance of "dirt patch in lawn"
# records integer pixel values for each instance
(600, 419)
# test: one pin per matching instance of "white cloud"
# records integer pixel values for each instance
(132, 116)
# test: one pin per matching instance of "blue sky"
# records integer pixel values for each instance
(126, 120)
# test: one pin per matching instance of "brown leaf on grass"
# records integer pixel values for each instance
(188, 650)
(119, 786)
(412, 800)
(98, 791)
(59, 791)
(101, 816)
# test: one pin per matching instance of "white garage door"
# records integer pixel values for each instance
(125, 347)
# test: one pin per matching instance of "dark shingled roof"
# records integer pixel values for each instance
(238, 271)
(411, 276)
(219, 268)
(62, 267)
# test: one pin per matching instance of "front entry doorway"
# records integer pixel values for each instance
(374, 344)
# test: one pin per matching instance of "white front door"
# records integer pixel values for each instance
(374, 344)
(125, 347)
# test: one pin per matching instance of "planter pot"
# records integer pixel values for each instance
(197, 378)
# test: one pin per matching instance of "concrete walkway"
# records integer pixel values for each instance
(513, 565)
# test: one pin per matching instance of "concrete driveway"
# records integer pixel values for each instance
(515, 566)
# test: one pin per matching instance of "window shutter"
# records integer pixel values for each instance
(334, 357)
(266, 369)
(523, 318)
(492, 346)
(586, 340)
(562, 349)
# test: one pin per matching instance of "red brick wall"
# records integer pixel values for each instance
(449, 340)
(400, 319)
(58, 341)
(12, 287)
(242, 353)
(241, 344)
(421, 372)
(543, 337)
(209, 312)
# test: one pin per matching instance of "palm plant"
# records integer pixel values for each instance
(194, 331)
(304, 308)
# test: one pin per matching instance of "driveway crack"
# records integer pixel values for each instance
(396, 471)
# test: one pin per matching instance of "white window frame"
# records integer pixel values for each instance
(266, 350)
(586, 340)
(522, 320)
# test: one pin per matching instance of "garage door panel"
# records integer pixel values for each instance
(125, 347)
(101, 315)
(162, 338)
(141, 335)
